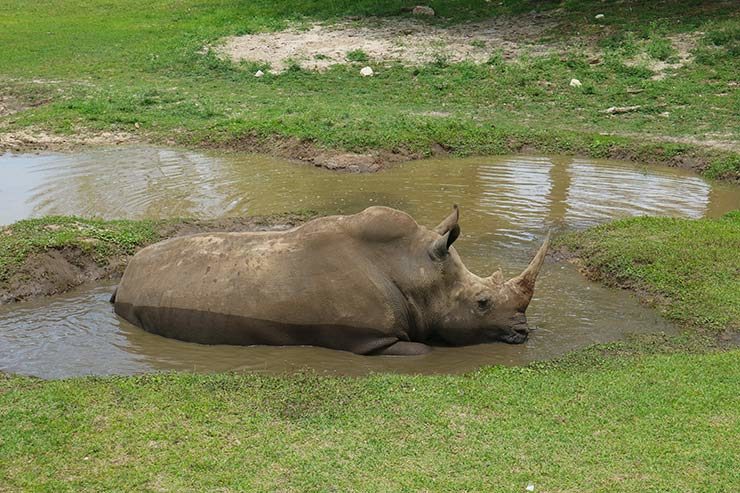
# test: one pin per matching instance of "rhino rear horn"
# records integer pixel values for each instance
(441, 246)
(524, 282)
(449, 222)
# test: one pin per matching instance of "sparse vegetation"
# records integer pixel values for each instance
(660, 49)
(357, 56)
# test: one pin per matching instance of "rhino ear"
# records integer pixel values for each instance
(449, 222)
(441, 246)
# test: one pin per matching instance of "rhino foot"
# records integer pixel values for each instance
(404, 348)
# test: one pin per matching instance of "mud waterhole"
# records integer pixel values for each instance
(507, 204)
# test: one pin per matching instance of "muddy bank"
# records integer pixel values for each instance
(56, 270)
(299, 150)
(35, 140)
(308, 152)
(698, 157)
(708, 338)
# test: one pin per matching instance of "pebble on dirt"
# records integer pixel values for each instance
(259, 73)
(575, 83)
(423, 10)
(366, 72)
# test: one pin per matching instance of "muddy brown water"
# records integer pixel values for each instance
(507, 204)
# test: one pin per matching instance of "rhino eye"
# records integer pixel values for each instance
(484, 304)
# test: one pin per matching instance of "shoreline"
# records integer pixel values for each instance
(708, 162)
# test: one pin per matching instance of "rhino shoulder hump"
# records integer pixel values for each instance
(382, 224)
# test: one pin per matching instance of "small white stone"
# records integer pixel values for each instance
(575, 83)
(530, 487)
(599, 16)
(423, 10)
(366, 72)
(259, 73)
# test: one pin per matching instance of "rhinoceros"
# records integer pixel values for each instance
(375, 282)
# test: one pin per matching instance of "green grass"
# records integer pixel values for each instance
(644, 425)
(688, 268)
(138, 67)
(357, 56)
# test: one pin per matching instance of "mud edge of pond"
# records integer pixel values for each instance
(307, 151)
(58, 270)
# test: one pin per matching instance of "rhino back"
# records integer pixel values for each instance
(312, 285)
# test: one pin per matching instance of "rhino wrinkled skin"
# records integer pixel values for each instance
(375, 282)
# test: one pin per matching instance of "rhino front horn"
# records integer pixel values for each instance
(524, 282)
(449, 222)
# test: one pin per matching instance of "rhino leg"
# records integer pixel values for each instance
(404, 348)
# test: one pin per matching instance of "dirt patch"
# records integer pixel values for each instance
(56, 271)
(720, 142)
(10, 105)
(683, 43)
(408, 41)
(309, 152)
(32, 139)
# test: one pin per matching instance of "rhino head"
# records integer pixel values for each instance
(468, 309)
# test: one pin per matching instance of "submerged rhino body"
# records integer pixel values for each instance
(375, 282)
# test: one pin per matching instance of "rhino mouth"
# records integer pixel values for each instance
(517, 334)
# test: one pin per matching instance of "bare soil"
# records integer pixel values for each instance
(56, 271)
(32, 139)
(722, 142)
(10, 105)
(308, 152)
(683, 43)
(408, 41)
